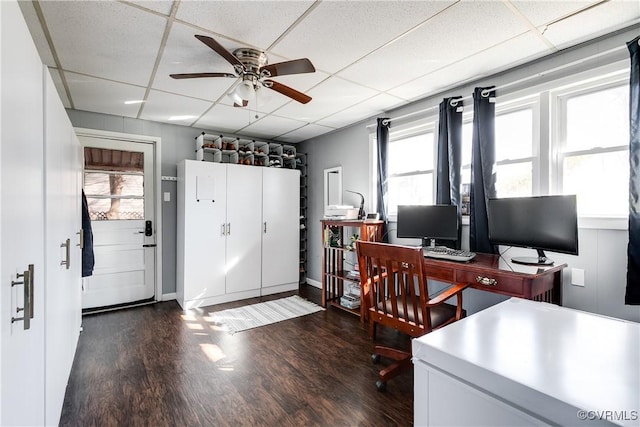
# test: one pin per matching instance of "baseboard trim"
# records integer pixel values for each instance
(314, 283)
(168, 297)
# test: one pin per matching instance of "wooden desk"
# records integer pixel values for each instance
(497, 274)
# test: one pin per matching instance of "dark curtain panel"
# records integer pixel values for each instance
(383, 149)
(483, 180)
(632, 296)
(449, 160)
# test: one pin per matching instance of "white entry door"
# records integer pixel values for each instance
(119, 186)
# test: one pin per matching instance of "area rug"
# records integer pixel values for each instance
(264, 313)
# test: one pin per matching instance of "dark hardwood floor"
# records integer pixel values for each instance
(159, 366)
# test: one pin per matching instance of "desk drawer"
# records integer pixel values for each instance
(492, 282)
(439, 273)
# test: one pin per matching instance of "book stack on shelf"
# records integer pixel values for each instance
(350, 301)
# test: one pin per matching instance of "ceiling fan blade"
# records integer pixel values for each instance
(287, 91)
(297, 66)
(198, 75)
(220, 50)
(244, 103)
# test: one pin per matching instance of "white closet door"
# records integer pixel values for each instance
(204, 237)
(244, 220)
(62, 225)
(281, 235)
(21, 221)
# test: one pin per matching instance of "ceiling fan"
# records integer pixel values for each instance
(252, 66)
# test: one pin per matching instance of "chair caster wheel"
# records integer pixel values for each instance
(381, 385)
(375, 358)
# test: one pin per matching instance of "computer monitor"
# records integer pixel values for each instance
(428, 222)
(543, 223)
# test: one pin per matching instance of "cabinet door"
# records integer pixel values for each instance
(21, 221)
(62, 225)
(244, 220)
(204, 236)
(281, 228)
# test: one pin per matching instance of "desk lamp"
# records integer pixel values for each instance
(361, 210)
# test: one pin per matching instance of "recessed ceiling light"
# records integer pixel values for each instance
(181, 117)
(134, 101)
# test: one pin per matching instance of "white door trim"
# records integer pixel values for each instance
(157, 179)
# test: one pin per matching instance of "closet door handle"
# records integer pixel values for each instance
(223, 230)
(27, 309)
(228, 229)
(67, 261)
(265, 227)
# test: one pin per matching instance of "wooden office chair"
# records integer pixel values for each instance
(395, 288)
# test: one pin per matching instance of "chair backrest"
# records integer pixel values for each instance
(394, 286)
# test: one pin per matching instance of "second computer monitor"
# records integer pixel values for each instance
(428, 222)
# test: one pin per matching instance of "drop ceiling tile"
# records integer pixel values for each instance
(595, 22)
(334, 94)
(511, 53)
(336, 33)
(255, 23)
(103, 96)
(302, 134)
(169, 108)
(37, 33)
(271, 126)
(87, 41)
(368, 108)
(163, 7)
(449, 37)
(543, 12)
(183, 53)
(224, 118)
(57, 81)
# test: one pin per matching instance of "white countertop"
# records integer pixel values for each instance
(568, 360)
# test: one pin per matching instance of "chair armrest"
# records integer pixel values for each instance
(452, 291)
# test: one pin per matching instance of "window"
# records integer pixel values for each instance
(516, 143)
(593, 149)
(114, 184)
(411, 164)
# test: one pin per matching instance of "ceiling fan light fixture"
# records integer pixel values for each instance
(244, 90)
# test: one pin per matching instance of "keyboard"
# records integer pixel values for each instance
(449, 254)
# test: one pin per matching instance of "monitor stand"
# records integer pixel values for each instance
(541, 259)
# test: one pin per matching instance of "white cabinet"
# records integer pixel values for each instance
(281, 228)
(39, 209)
(224, 253)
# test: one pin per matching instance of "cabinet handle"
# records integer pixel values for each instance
(27, 282)
(67, 261)
(81, 234)
(486, 281)
(265, 227)
(228, 229)
(222, 230)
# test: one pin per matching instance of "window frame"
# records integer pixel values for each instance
(559, 99)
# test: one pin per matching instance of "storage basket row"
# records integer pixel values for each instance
(222, 149)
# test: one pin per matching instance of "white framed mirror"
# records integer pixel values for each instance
(332, 187)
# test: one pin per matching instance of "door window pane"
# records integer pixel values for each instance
(114, 184)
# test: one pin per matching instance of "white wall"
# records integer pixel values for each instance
(602, 251)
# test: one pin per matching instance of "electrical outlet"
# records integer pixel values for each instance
(577, 277)
(167, 196)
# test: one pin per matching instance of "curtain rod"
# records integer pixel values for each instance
(513, 83)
